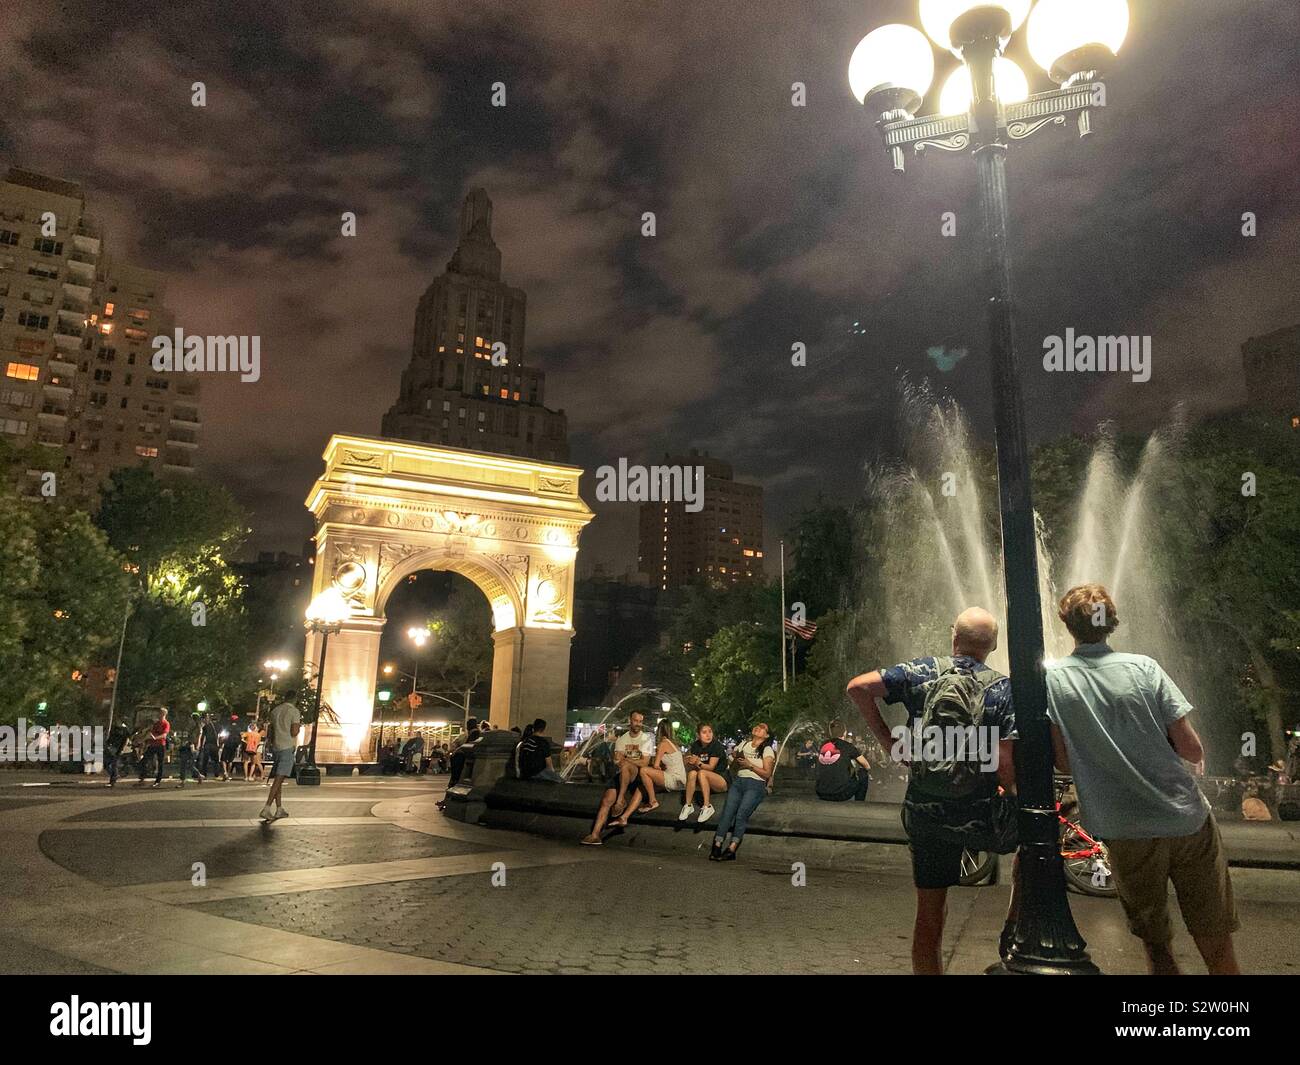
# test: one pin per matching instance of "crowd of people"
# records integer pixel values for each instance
(205, 753)
(1119, 726)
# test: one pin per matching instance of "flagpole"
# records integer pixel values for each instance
(784, 683)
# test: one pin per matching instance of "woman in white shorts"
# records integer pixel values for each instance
(667, 770)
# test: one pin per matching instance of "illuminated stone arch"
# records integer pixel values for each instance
(385, 509)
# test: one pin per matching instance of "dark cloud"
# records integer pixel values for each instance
(775, 224)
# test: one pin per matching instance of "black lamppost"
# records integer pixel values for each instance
(987, 105)
(325, 616)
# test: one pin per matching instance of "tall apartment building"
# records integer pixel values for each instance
(78, 396)
(452, 392)
(1272, 368)
(720, 543)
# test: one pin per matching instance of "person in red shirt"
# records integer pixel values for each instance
(156, 747)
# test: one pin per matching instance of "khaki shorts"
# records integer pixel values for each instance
(1199, 870)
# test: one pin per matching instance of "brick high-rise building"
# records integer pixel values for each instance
(1272, 367)
(453, 392)
(78, 396)
(720, 543)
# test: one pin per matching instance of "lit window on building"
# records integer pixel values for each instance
(146, 452)
(106, 328)
(108, 310)
(23, 371)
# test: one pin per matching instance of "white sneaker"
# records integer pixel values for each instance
(279, 813)
(687, 810)
(267, 813)
(706, 813)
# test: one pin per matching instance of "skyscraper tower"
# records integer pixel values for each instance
(467, 385)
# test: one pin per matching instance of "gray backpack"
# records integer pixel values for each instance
(954, 699)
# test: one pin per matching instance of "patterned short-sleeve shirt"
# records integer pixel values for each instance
(906, 683)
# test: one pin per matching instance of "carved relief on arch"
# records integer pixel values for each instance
(550, 598)
(350, 571)
(516, 567)
(392, 555)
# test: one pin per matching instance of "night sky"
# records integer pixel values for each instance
(776, 224)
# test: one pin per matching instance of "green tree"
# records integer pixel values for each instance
(1242, 568)
(733, 674)
(65, 591)
(66, 608)
(824, 553)
(187, 638)
(460, 654)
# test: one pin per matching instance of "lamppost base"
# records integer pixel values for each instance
(309, 775)
(1028, 967)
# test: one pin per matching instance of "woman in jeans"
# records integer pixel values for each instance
(752, 765)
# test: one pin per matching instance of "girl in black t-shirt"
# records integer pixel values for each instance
(706, 766)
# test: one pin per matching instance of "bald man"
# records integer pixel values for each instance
(936, 858)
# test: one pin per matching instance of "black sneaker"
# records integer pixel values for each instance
(729, 855)
(715, 855)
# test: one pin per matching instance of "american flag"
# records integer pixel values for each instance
(806, 629)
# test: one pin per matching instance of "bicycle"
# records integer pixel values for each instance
(1085, 860)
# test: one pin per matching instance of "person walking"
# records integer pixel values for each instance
(114, 743)
(252, 738)
(155, 747)
(230, 750)
(282, 739)
(209, 748)
(752, 765)
(1121, 727)
(187, 756)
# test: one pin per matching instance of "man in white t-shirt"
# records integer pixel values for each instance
(632, 751)
(282, 738)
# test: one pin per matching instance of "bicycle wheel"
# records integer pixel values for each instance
(976, 867)
(1087, 866)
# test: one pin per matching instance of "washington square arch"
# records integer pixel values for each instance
(387, 508)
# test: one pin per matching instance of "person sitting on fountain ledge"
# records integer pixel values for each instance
(953, 793)
(632, 750)
(1120, 725)
(842, 771)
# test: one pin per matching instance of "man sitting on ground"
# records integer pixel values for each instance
(842, 769)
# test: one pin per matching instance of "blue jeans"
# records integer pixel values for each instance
(742, 800)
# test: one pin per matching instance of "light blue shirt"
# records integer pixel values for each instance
(1114, 710)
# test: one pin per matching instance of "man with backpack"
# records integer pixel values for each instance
(840, 772)
(958, 745)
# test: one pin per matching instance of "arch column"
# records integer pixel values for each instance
(530, 676)
(348, 688)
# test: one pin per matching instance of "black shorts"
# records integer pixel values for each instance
(936, 862)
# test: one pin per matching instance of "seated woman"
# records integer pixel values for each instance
(706, 765)
(752, 765)
(666, 770)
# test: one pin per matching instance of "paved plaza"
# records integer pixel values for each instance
(367, 876)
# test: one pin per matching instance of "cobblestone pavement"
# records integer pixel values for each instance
(630, 914)
(395, 887)
(159, 854)
(198, 809)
